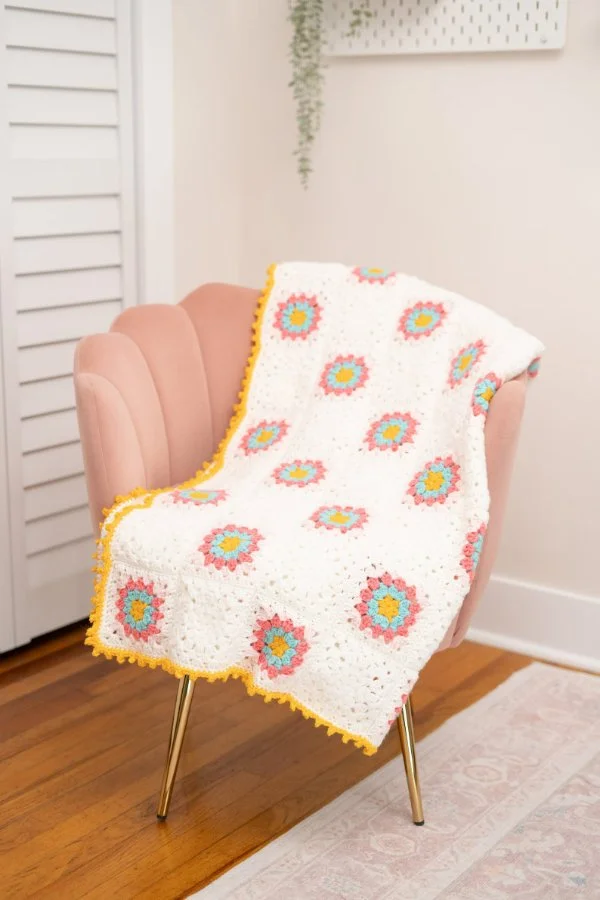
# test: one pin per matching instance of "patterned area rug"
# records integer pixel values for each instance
(511, 789)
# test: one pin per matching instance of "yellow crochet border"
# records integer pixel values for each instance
(104, 559)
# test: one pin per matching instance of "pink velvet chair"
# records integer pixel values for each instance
(154, 398)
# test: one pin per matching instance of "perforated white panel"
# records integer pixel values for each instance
(447, 26)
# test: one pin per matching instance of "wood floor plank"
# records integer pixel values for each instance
(29, 657)
(82, 748)
(193, 842)
(16, 684)
(56, 709)
(105, 830)
(100, 769)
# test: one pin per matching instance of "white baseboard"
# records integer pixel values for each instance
(539, 621)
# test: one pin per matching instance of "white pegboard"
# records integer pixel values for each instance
(447, 26)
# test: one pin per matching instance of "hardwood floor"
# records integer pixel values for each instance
(82, 747)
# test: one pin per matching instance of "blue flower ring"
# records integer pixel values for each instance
(462, 364)
(298, 316)
(344, 375)
(299, 472)
(197, 496)
(421, 320)
(391, 431)
(388, 607)
(372, 276)
(280, 645)
(229, 547)
(472, 551)
(263, 436)
(435, 482)
(139, 609)
(484, 394)
(339, 518)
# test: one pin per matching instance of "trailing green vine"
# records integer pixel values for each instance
(306, 54)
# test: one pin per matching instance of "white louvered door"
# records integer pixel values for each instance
(67, 267)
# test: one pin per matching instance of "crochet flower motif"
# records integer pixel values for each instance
(484, 393)
(197, 497)
(263, 435)
(391, 431)
(339, 518)
(533, 369)
(298, 316)
(472, 551)
(300, 472)
(372, 276)
(464, 361)
(139, 609)
(280, 645)
(421, 320)
(435, 482)
(229, 547)
(344, 375)
(388, 607)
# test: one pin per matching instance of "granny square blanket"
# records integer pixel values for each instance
(323, 553)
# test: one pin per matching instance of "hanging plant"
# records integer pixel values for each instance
(306, 53)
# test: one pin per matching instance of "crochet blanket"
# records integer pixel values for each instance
(323, 553)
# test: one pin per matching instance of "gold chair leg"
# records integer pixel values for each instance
(183, 703)
(407, 742)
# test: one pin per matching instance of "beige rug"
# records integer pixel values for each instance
(511, 788)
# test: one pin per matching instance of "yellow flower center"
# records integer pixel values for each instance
(391, 432)
(375, 271)
(137, 610)
(199, 495)
(230, 543)
(264, 436)
(423, 319)
(340, 518)
(465, 361)
(298, 317)
(487, 394)
(279, 645)
(344, 375)
(298, 474)
(388, 606)
(434, 481)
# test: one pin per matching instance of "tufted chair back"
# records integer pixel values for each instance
(155, 394)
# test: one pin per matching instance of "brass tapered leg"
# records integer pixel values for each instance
(407, 742)
(183, 703)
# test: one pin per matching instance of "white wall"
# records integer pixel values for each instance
(154, 163)
(481, 173)
(206, 144)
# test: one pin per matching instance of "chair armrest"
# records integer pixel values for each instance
(501, 438)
